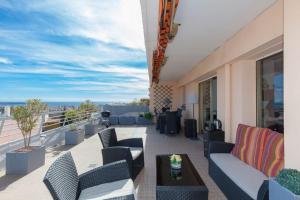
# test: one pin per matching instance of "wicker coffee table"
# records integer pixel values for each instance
(185, 184)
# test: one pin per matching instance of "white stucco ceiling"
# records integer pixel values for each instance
(205, 25)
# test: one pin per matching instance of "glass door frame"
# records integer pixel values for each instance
(200, 101)
(259, 82)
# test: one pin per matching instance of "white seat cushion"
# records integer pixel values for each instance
(136, 152)
(108, 190)
(246, 177)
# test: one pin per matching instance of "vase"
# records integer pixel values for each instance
(278, 192)
(176, 165)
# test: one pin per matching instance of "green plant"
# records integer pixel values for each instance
(136, 102)
(175, 159)
(145, 101)
(71, 116)
(86, 108)
(148, 116)
(27, 117)
(73, 127)
(290, 179)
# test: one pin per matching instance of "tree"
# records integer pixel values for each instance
(143, 101)
(87, 107)
(27, 117)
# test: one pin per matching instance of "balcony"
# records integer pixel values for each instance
(87, 155)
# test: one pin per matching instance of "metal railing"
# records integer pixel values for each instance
(48, 121)
(45, 133)
(57, 119)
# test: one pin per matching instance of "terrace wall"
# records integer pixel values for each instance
(291, 82)
(234, 64)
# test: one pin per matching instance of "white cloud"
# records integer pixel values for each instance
(100, 85)
(114, 71)
(122, 71)
(5, 60)
(42, 70)
(118, 21)
(84, 45)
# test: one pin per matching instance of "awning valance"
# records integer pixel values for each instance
(167, 10)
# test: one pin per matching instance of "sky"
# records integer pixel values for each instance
(72, 50)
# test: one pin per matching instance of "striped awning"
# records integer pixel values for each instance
(167, 10)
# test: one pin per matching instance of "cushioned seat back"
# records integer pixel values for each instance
(261, 148)
(108, 137)
(273, 154)
(62, 179)
(250, 143)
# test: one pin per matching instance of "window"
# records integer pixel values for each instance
(270, 93)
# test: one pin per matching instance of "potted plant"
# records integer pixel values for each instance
(285, 186)
(145, 119)
(27, 158)
(86, 109)
(175, 161)
(74, 135)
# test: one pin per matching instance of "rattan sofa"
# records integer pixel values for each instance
(220, 151)
(110, 181)
(130, 150)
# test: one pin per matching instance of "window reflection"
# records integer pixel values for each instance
(270, 93)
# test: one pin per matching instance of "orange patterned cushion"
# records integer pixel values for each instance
(273, 155)
(250, 142)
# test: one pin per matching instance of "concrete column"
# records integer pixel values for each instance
(291, 83)
(224, 100)
(227, 108)
(242, 95)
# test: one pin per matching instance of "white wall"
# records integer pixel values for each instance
(224, 99)
(291, 83)
(234, 64)
(191, 97)
(221, 81)
(265, 31)
(237, 96)
(243, 95)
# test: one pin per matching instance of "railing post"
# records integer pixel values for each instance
(2, 125)
(42, 123)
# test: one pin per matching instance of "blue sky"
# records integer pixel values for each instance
(72, 50)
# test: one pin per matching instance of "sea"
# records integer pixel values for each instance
(51, 104)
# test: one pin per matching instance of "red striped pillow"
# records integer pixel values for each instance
(259, 145)
(250, 142)
(273, 155)
(239, 140)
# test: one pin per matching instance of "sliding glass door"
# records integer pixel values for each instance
(207, 103)
(270, 93)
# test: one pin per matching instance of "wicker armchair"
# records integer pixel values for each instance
(129, 149)
(111, 181)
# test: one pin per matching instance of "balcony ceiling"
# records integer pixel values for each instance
(205, 25)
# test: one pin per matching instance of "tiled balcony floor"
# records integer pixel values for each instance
(87, 155)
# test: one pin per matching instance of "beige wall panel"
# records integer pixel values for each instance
(255, 37)
(243, 95)
(291, 83)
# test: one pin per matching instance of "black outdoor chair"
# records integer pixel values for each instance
(129, 149)
(111, 181)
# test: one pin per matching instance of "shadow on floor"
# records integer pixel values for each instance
(58, 149)
(6, 180)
